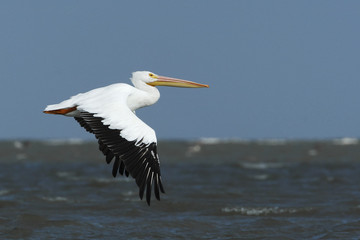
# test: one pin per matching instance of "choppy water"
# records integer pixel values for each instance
(214, 190)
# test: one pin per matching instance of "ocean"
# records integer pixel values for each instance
(215, 189)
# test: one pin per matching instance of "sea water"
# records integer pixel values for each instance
(271, 189)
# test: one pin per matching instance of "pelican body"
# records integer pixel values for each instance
(109, 113)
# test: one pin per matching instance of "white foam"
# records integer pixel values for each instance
(4, 192)
(213, 140)
(55, 199)
(313, 152)
(111, 179)
(262, 165)
(257, 211)
(129, 193)
(18, 145)
(59, 142)
(210, 140)
(193, 149)
(346, 141)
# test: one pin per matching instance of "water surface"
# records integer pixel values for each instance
(214, 190)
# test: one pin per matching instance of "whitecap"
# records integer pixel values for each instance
(129, 193)
(262, 211)
(193, 149)
(18, 144)
(111, 179)
(313, 152)
(4, 192)
(346, 141)
(210, 140)
(261, 165)
(55, 199)
(59, 142)
(214, 140)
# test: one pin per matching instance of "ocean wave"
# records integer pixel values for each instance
(59, 142)
(265, 142)
(262, 165)
(68, 176)
(55, 199)
(210, 140)
(263, 211)
(214, 140)
(4, 192)
(260, 177)
(273, 142)
(193, 149)
(346, 141)
(74, 177)
(110, 179)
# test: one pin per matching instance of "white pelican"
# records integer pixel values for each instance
(109, 113)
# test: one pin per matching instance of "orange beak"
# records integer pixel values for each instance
(175, 82)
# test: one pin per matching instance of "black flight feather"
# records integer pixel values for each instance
(133, 158)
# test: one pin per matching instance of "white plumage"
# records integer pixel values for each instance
(109, 113)
(110, 103)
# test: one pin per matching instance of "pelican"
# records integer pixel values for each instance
(109, 113)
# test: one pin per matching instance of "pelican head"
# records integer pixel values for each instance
(153, 80)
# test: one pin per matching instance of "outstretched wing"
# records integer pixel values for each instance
(136, 158)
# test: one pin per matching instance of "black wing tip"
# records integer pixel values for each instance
(112, 145)
(147, 185)
(116, 166)
(109, 157)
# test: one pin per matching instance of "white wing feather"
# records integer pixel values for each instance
(110, 103)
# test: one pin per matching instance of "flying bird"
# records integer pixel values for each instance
(109, 113)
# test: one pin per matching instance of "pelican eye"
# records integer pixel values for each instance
(152, 75)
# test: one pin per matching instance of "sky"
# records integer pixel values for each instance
(276, 69)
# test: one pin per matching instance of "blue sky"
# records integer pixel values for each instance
(276, 69)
